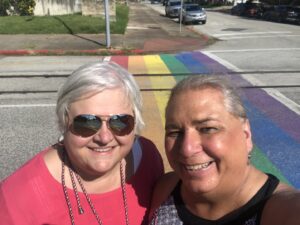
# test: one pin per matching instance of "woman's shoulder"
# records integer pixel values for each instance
(167, 182)
(150, 153)
(27, 170)
(146, 142)
(163, 189)
(23, 180)
(283, 206)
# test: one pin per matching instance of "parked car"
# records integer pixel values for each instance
(277, 13)
(193, 13)
(155, 1)
(248, 9)
(254, 10)
(238, 9)
(293, 14)
(164, 2)
(172, 8)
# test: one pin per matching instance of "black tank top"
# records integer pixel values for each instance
(173, 211)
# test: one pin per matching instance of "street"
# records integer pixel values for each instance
(261, 57)
(267, 54)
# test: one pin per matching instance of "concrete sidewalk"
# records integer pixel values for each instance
(147, 32)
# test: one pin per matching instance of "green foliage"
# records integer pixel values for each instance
(4, 6)
(26, 7)
(18, 7)
(120, 25)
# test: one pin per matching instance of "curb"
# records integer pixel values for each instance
(22, 52)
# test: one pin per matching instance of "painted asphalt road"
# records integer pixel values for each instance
(275, 126)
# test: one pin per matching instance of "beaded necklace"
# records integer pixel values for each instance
(80, 209)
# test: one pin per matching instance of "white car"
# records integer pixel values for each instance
(193, 13)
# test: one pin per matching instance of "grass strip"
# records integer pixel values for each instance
(65, 24)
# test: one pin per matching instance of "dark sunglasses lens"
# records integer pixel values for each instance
(121, 124)
(86, 125)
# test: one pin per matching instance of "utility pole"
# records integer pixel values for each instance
(107, 23)
(180, 16)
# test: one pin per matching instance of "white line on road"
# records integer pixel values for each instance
(27, 105)
(252, 33)
(136, 28)
(222, 61)
(271, 91)
(106, 58)
(275, 94)
(255, 50)
(267, 36)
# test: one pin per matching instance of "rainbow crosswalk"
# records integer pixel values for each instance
(275, 128)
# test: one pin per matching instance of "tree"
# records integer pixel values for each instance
(19, 7)
(26, 7)
(4, 6)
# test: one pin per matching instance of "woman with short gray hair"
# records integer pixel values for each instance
(208, 143)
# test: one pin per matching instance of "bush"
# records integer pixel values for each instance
(4, 6)
(17, 7)
(26, 7)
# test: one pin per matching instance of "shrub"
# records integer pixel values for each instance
(17, 7)
(4, 6)
(26, 7)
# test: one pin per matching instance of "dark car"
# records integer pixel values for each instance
(293, 14)
(248, 9)
(238, 9)
(155, 1)
(254, 10)
(277, 13)
(164, 2)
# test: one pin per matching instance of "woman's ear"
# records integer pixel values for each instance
(248, 135)
(67, 123)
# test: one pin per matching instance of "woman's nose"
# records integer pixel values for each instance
(191, 143)
(104, 134)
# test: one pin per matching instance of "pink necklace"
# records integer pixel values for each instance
(80, 209)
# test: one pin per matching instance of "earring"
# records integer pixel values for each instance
(249, 158)
(60, 140)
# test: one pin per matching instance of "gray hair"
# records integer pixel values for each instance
(96, 77)
(232, 99)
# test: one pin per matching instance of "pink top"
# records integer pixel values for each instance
(32, 196)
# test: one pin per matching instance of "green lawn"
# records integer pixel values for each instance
(67, 24)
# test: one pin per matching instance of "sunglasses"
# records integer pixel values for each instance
(87, 125)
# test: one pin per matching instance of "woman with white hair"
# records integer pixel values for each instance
(101, 171)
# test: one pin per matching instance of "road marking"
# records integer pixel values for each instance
(137, 28)
(275, 94)
(27, 105)
(106, 58)
(272, 92)
(253, 50)
(136, 64)
(154, 65)
(267, 36)
(222, 61)
(252, 33)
